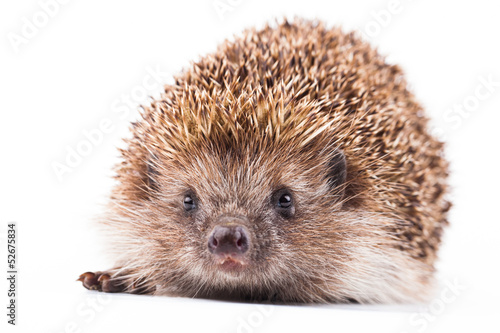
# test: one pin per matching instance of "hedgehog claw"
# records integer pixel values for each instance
(100, 281)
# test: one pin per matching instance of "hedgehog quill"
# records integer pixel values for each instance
(293, 165)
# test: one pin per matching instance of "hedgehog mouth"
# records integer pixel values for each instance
(231, 264)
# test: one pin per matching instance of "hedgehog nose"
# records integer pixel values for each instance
(228, 240)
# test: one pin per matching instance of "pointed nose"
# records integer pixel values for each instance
(230, 240)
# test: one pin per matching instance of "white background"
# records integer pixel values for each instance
(88, 57)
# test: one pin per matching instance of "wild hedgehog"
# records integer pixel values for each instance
(291, 165)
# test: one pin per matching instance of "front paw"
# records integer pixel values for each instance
(100, 281)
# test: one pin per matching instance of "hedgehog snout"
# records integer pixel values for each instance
(228, 241)
(229, 238)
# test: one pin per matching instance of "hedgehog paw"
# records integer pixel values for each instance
(100, 281)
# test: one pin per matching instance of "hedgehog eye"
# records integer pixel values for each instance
(189, 203)
(283, 202)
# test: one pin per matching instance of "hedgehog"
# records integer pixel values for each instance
(291, 165)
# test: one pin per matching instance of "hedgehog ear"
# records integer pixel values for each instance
(337, 172)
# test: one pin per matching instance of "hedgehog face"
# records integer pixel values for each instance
(237, 220)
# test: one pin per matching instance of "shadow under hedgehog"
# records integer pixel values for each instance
(291, 165)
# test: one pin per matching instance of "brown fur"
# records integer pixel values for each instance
(272, 109)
